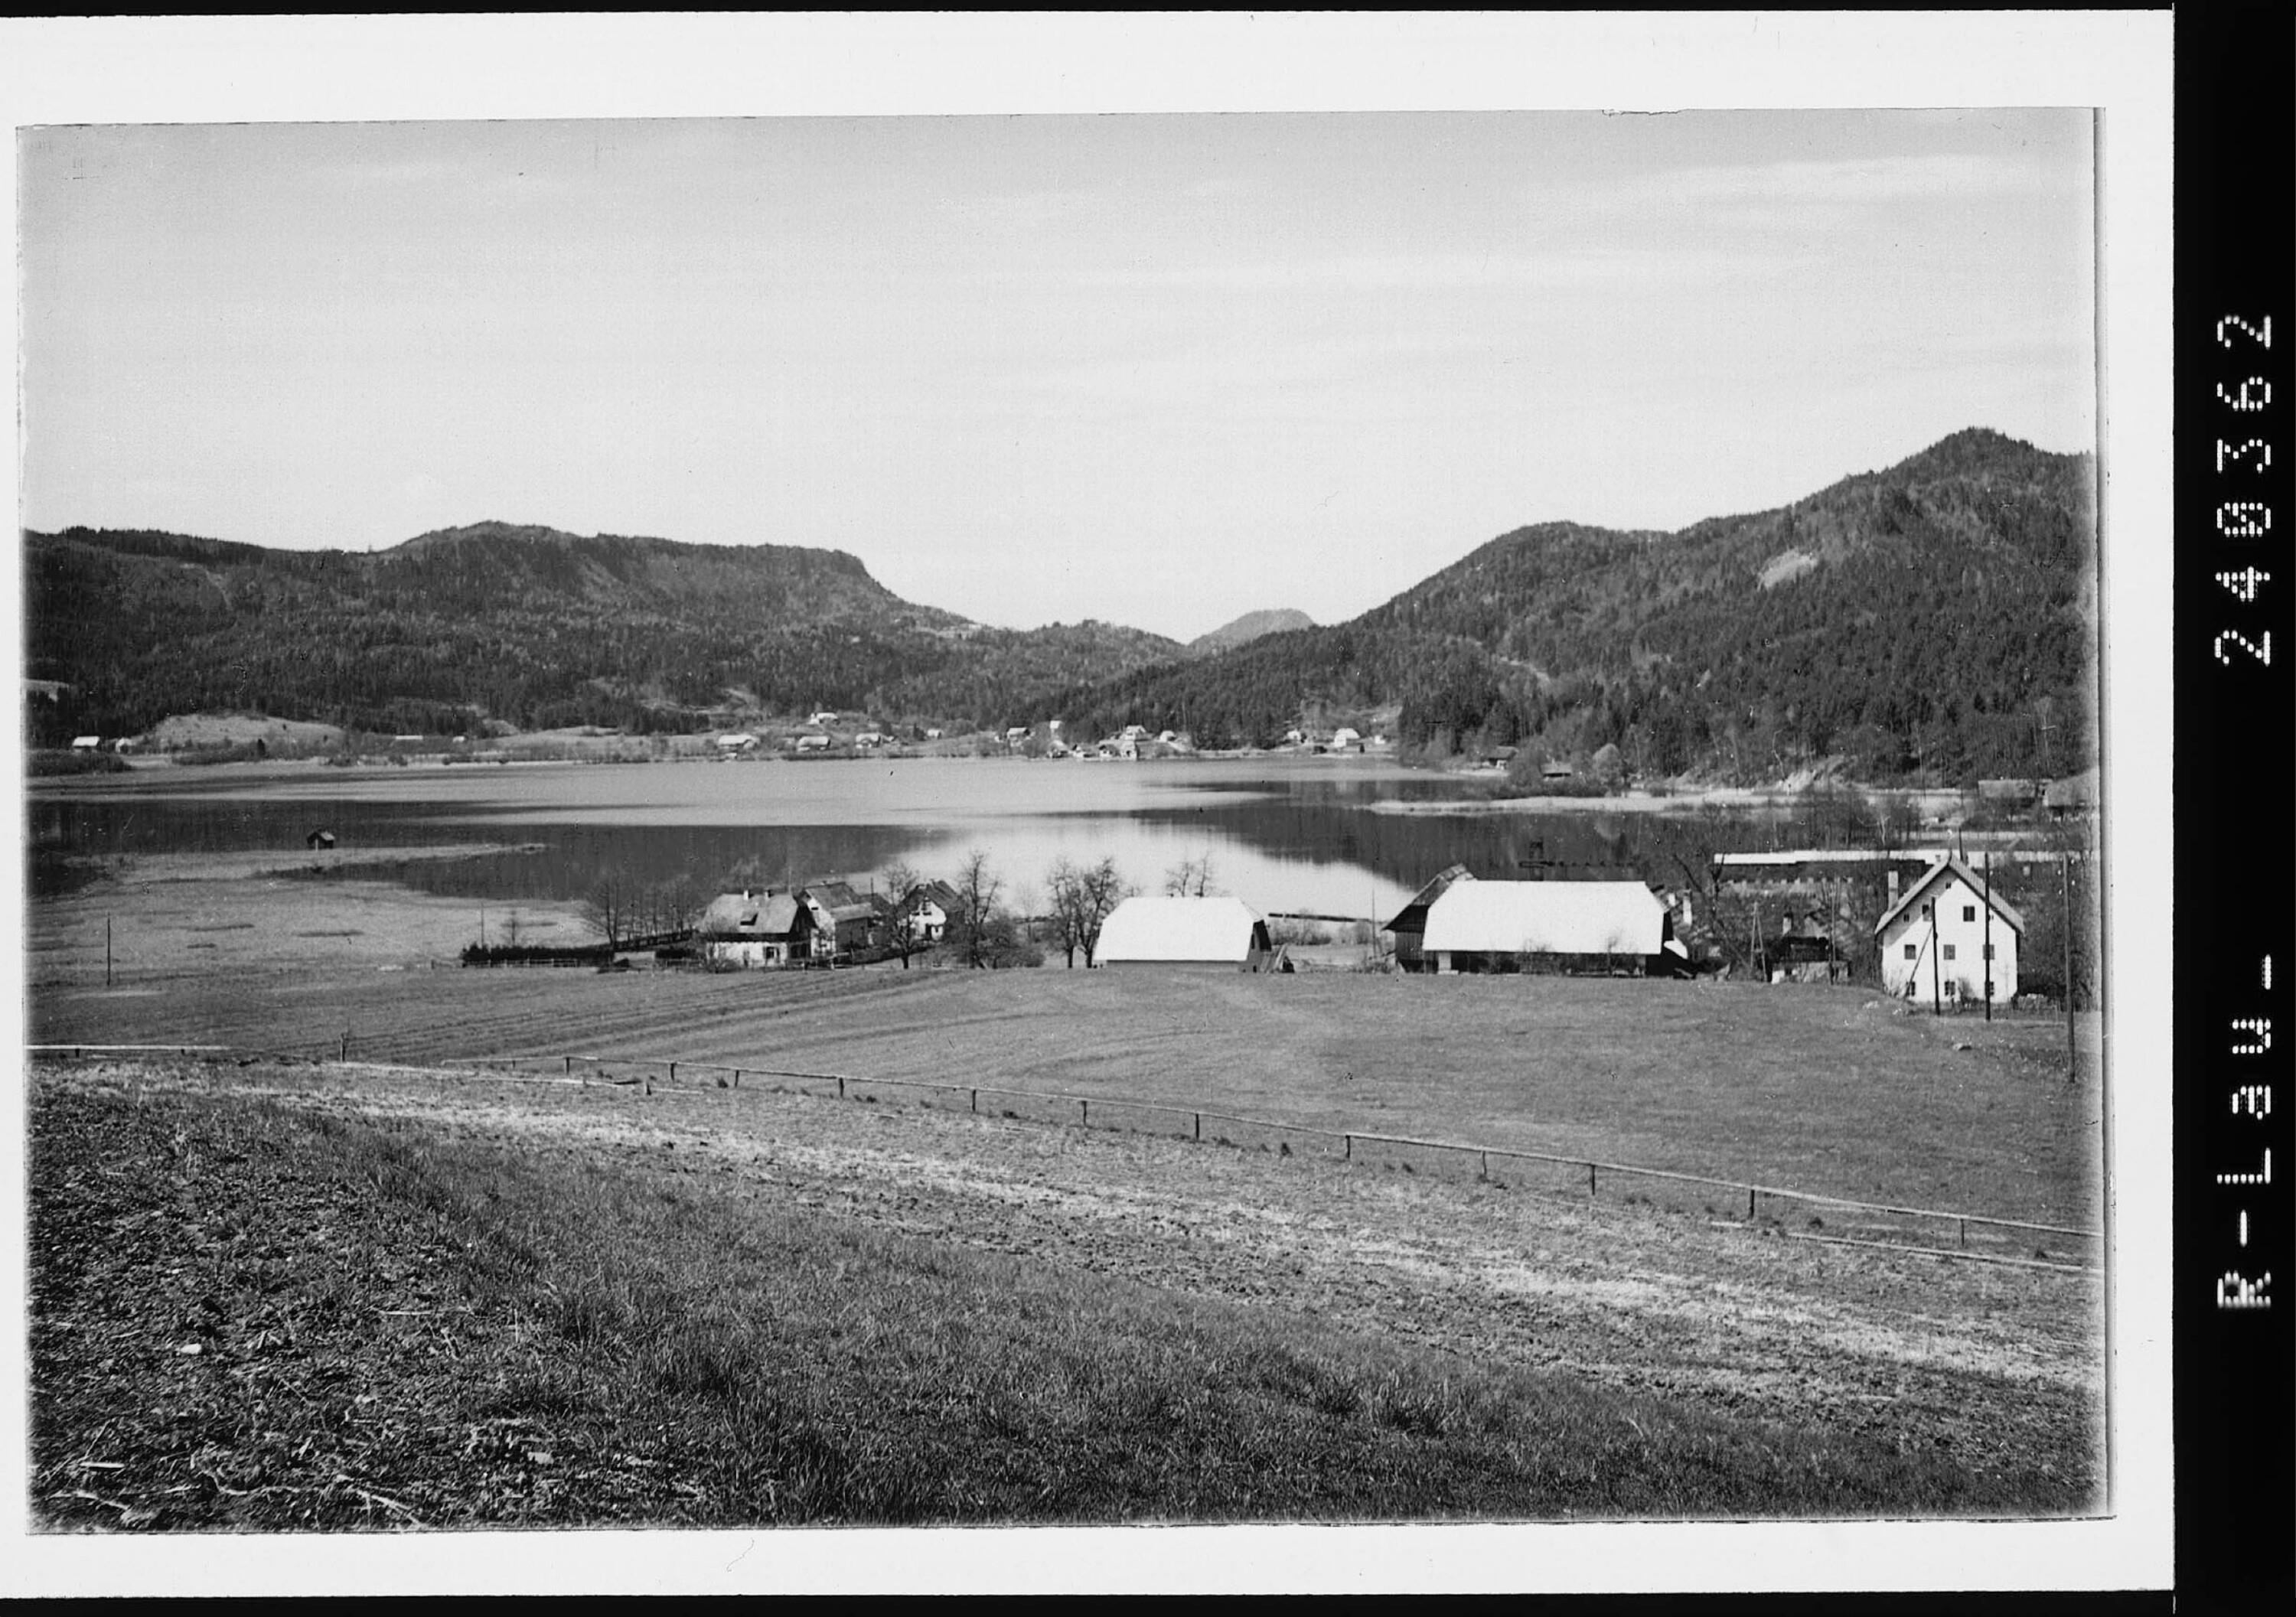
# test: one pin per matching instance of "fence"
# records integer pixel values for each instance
(1957, 1233)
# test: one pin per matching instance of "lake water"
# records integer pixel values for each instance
(1296, 834)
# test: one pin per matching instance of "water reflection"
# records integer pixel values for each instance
(1306, 840)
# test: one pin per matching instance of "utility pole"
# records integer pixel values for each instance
(1988, 935)
(2072, 1057)
(107, 951)
(1936, 970)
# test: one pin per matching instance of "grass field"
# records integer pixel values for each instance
(1830, 1090)
(404, 1285)
(272, 1298)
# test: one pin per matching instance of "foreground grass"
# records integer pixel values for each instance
(249, 1317)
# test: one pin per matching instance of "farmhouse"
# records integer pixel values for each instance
(812, 743)
(925, 909)
(1615, 927)
(87, 743)
(1219, 932)
(844, 921)
(756, 929)
(737, 741)
(1935, 940)
(1410, 924)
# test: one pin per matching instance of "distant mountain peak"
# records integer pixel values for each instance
(1251, 626)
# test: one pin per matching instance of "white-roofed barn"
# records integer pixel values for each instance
(1616, 927)
(1144, 931)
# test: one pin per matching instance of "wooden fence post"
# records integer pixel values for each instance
(1084, 1112)
(1750, 1203)
(1590, 1181)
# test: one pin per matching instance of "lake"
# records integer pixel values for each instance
(1285, 834)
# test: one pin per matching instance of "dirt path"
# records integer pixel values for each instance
(1983, 1361)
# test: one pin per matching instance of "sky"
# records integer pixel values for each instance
(1157, 370)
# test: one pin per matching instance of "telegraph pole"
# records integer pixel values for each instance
(1988, 934)
(2072, 1057)
(1937, 971)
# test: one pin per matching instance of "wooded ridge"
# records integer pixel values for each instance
(1935, 620)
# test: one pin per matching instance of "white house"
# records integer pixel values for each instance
(755, 929)
(1343, 738)
(87, 743)
(1933, 940)
(737, 741)
(1182, 931)
(822, 717)
(812, 743)
(1501, 926)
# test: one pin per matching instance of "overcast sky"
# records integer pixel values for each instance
(1159, 370)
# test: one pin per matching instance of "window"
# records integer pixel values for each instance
(1948, 951)
(1988, 951)
(1969, 912)
(1911, 951)
(1928, 909)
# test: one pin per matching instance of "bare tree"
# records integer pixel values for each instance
(606, 909)
(976, 892)
(902, 879)
(1081, 898)
(1190, 878)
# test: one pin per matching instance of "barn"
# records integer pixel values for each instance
(1935, 939)
(1218, 931)
(1618, 927)
(1409, 926)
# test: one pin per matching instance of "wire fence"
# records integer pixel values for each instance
(1735, 1203)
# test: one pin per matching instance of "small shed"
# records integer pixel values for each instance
(319, 840)
(1608, 927)
(1170, 931)
(87, 743)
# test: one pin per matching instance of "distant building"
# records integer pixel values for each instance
(1612, 927)
(1343, 738)
(870, 738)
(87, 743)
(822, 717)
(812, 743)
(2009, 793)
(1212, 931)
(737, 741)
(2071, 797)
(1934, 939)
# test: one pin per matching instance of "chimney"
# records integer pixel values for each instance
(1893, 886)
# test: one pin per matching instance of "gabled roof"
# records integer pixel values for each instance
(837, 901)
(1935, 875)
(736, 915)
(931, 892)
(1428, 894)
(1190, 929)
(1547, 918)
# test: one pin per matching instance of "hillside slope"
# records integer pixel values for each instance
(1249, 627)
(1932, 619)
(526, 624)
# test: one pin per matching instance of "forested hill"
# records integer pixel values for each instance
(524, 624)
(1931, 619)
(1249, 627)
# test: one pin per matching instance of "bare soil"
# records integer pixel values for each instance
(1993, 1366)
